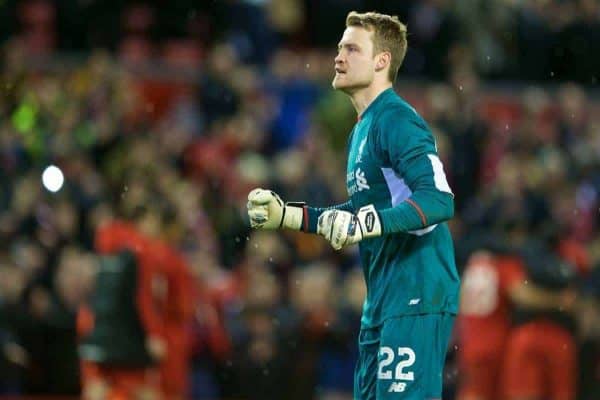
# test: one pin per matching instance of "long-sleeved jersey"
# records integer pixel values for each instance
(393, 164)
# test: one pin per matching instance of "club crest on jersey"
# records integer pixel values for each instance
(361, 147)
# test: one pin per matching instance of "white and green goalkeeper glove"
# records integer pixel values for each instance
(266, 210)
(342, 228)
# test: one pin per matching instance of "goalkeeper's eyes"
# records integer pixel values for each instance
(348, 47)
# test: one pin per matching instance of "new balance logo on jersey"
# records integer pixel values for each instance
(397, 387)
(361, 181)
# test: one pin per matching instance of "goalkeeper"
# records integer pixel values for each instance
(399, 200)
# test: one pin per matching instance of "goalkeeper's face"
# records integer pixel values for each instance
(355, 63)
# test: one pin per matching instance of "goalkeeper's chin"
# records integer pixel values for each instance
(337, 83)
(341, 84)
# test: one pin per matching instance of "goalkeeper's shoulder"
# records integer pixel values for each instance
(400, 122)
(397, 125)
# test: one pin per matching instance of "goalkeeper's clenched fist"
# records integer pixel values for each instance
(266, 210)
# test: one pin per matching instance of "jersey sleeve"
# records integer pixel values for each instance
(405, 142)
(312, 214)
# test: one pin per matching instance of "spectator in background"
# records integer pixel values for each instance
(262, 333)
(71, 287)
(575, 55)
(14, 358)
(217, 98)
(589, 336)
(535, 36)
(339, 354)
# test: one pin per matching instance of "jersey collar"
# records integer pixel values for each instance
(381, 97)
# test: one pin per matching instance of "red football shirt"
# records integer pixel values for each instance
(484, 318)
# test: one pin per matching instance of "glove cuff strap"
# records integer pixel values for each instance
(370, 223)
(293, 213)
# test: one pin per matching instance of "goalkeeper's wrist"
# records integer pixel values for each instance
(293, 215)
(370, 221)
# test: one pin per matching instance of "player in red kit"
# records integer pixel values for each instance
(541, 352)
(484, 322)
(176, 303)
(117, 364)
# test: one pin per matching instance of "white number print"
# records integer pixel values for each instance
(388, 357)
(405, 376)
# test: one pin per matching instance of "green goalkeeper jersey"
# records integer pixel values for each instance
(393, 164)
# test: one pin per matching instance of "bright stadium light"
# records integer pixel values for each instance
(53, 178)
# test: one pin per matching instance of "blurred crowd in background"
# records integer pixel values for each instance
(165, 115)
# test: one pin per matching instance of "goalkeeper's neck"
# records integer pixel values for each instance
(362, 98)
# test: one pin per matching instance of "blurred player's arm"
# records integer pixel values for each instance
(531, 296)
(588, 317)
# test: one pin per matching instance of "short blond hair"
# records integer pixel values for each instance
(389, 34)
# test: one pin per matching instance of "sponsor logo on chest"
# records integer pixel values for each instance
(356, 181)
